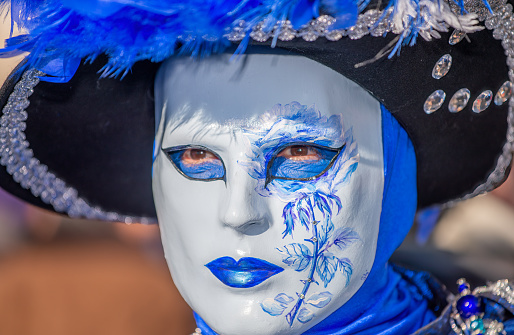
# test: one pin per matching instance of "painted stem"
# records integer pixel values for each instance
(292, 314)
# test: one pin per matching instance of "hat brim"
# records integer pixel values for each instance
(97, 134)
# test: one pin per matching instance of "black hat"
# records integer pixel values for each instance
(84, 146)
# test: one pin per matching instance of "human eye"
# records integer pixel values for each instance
(197, 163)
(303, 161)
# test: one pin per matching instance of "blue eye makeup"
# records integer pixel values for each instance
(302, 161)
(196, 163)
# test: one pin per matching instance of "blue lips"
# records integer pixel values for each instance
(247, 272)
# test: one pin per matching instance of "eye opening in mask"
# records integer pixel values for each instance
(206, 171)
(326, 155)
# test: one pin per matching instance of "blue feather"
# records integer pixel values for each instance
(128, 31)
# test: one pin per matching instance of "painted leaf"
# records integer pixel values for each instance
(305, 315)
(304, 215)
(309, 201)
(326, 267)
(319, 300)
(325, 231)
(298, 256)
(344, 237)
(273, 307)
(289, 218)
(346, 267)
(322, 204)
(334, 198)
(284, 299)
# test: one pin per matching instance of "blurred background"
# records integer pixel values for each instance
(60, 276)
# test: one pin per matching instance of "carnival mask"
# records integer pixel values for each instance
(268, 181)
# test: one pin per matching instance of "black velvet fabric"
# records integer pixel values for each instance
(97, 134)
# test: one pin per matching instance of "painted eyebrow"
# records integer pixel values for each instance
(200, 129)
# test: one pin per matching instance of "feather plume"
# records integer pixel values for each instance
(61, 32)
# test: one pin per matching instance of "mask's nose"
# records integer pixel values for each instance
(242, 208)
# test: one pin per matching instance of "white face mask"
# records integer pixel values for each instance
(268, 180)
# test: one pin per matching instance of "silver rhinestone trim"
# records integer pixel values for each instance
(374, 22)
(31, 174)
(502, 288)
(502, 21)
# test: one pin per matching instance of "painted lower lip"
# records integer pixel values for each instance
(247, 272)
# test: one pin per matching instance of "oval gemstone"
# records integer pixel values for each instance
(504, 93)
(468, 306)
(456, 37)
(482, 101)
(442, 66)
(434, 101)
(459, 100)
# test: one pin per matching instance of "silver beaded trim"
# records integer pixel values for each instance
(502, 288)
(26, 170)
(367, 23)
(373, 22)
(502, 23)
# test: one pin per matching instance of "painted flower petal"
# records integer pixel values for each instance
(284, 298)
(272, 307)
(305, 315)
(319, 300)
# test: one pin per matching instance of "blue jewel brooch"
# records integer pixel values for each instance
(468, 307)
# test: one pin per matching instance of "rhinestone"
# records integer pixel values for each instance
(309, 36)
(358, 31)
(335, 35)
(379, 29)
(456, 37)
(506, 10)
(314, 239)
(286, 35)
(236, 35)
(434, 101)
(499, 33)
(482, 101)
(442, 66)
(510, 62)
(322, 23)
(301, 296)
(504, 93)
(371, 17)
(459, 100)
(259, 35)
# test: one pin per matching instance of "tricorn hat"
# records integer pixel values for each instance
(77, 124)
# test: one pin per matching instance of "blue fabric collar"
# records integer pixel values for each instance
(386, 303)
